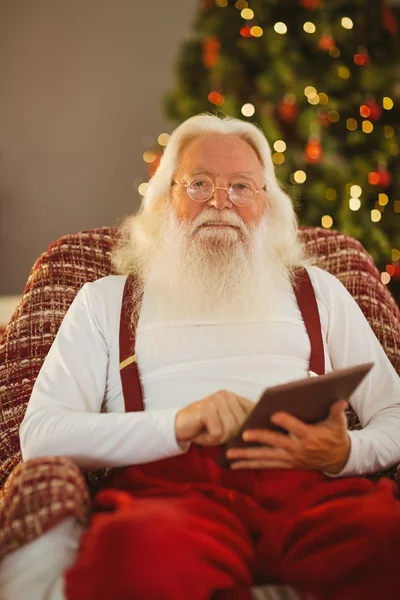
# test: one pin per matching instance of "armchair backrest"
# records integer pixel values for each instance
(74, 259)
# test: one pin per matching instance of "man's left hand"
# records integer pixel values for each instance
(324, 446)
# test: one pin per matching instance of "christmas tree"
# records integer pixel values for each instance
(322, 80)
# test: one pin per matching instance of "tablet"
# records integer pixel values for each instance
(308, 399)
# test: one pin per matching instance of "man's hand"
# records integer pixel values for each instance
(213, 420)
(324, 446)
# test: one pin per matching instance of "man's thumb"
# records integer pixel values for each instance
(337, 410)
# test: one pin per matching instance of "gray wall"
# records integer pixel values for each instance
(81, 89)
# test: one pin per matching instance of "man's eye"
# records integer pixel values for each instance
(241, 186)
(198, 183)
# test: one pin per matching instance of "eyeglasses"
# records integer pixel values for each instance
(242, 192)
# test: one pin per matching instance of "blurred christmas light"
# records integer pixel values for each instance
(323, 98)
(351, 124)
(388, 103)
(391, 269)
(385, 278)
(247, 14)
(221, 3)
(376, 111)
(163, 139)
(375, 215)
(334, 52)
(280, 28)
(333, 116)
(323, 118)
(314, 100)
(367, 127)
(241, 4)
(216, 98)
(300, 176)
(310, 91)
(313, 150)
(354, 203)
(395, 254)
(278, 158)
(355, 191)
(388, 132)
(396, 206)
(383, 199)
(309, 27)
(373, 178)
(326, 42)
(327, 221)
(149, 156)
(248, 110)
(142, 188)
(330, 194)
(280, 146)
(245, 32)
(288, 108)
(365, 111)
(256, 31)
(394, 149)
(343, 72)
(359, 59)
(347, 23)
(381, 177)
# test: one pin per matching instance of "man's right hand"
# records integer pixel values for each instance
(213, 420)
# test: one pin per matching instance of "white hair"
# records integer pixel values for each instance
(283, 227)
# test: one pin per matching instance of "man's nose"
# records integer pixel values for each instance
(220, 199)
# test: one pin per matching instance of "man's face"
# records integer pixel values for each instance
(222, 158)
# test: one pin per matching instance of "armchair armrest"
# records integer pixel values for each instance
(38, 495)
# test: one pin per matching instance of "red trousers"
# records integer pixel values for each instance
(185, 529)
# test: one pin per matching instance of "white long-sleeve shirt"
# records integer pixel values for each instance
(77, 410)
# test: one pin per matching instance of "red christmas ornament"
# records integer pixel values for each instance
(210, 51)
(389, 19)
(359, 60)
(376, 111)
(326, 42)
(324, 119)
(391, 269)
(381, 177)
(313, 151)
(216, 98)
(288, 109)
(385, 178)
(311, 4)
(365, 111)
(362, 57)
(245, 32)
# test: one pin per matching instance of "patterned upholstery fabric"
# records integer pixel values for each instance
(41, 492)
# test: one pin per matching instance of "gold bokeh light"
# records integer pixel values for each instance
(300, 176)
(327, 221)
(247, 14)
(280, 146)
(280, 28)
(309, 27)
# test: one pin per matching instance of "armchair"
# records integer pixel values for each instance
(38, 494)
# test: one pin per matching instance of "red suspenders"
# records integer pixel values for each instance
(131, 386)
(307, 302)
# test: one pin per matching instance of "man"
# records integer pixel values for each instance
(214, 252)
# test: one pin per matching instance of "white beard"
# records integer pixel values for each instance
(198, 272)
